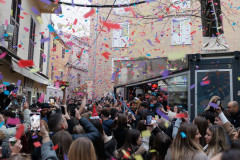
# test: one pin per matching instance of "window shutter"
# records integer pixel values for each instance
(185, 31)
(124, 34)
(176, 32)
(121, 36)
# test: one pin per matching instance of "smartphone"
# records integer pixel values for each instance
(51, 101)
(149, 120)
(35, 121)
(63, 110)
(218, 102)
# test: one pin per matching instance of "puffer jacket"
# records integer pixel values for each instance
(10, 132)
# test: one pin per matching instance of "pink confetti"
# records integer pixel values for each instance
(26, 29)
(41, 99)
(39, 110)
(13, 121)
(3, 55)
(6, 22)
(57, 84)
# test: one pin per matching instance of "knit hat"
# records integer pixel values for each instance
(94, 113)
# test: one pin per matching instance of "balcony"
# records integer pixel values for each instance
(49, 8)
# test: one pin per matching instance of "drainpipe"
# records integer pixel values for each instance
(49, 44)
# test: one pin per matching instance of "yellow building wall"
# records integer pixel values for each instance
(142, 30)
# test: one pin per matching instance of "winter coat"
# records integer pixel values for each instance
(107, 126)
(120, 136)
(91, 132)
(109, 147)
(47, 151)
(11, 132)
(235, 119)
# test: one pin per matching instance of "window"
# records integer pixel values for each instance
(114, 69)
(181, 31)
(181, 4)
(31, 39)
(79, 78)
(52, 73)
(63, 52)
(121, 36)
(121, 11)
(41, 57)
(14, 20)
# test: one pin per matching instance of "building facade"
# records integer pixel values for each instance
(154, 30)
(25, 35)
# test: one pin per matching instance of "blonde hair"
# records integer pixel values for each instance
(218, 142)
(82, 149)
(184, 146)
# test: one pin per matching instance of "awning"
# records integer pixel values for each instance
(26, 72)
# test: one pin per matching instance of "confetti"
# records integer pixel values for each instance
(3, 55)
(111, 25)
(35, 11)
(37, 144)
(106, 55)
(39, 19)
(146, 133)
(138, 157)
(205, 83)
(1, 124)
(50, 27)
(13, 121)
(34, 70)
(75, 22)
(6, 92)
(55, 147)
(45, 40)
(214, 105)
(183, 135)
(125, 154)
(41, 99)
(6, 83)
(192, 86)
(20, 131)
(90, 13)
(35, 136)
(25, 63)
(193, 32)
(165, 73)
(2, 1)
(160, 113)
(26, 29)
(46, 1)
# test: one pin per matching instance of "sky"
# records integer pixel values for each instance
(64, 22)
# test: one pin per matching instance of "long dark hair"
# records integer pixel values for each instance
(64, 140)
(131, 140)
(161, 144)
(99, 143)
(202, 125)
(122, 121)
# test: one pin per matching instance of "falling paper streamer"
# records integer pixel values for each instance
(45, 40)
(35, 136)
(3, 55)
(41, 99)
(25, 63)
(1, 124)
(39, 19)
(20, 131)
(138, 157)
(214, 105)
(106, 55)
(111, 25)
(192, 86)
(35, 11)
(57, 84)
(55, 147)
(75, 22)
(157, 40)
(183, 135)
(26, 29)
(165, 73)
(46, 1)
(37, 144)
(146, 133)
(205, 83)
(13, 121)
(90, 13)
(180, 115)
(50, 27)
(160, 113)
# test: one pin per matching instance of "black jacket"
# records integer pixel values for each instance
(91, 132)
(120, 136)
(235, 119)
(109, 149)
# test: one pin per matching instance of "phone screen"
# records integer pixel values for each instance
(149, 120)
(35, 121)
(51, 101)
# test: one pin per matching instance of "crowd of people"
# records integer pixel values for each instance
(145, 128)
